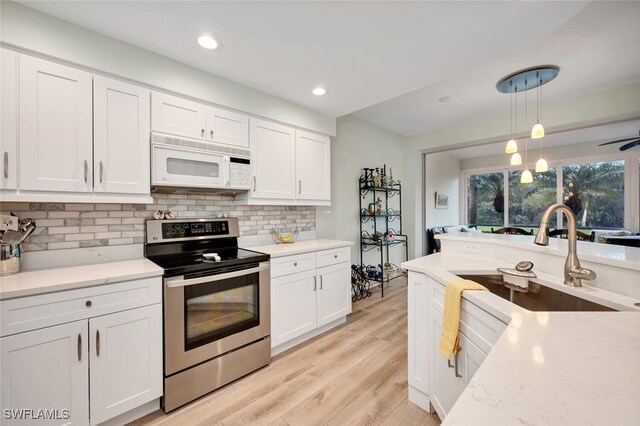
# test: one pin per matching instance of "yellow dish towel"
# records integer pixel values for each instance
(451, 323)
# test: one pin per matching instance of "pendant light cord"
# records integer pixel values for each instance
(526, 137)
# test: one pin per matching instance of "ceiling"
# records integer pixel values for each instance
(591, 135)
(389, 61)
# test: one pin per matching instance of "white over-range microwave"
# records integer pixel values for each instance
(188, 163)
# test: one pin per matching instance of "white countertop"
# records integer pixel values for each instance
(609, 254)
(51, 280)
(548, 368)
(299, 247)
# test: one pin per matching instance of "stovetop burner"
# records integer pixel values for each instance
(184, 254)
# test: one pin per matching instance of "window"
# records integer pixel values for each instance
(528, 202)
(595, 193)
(485, 199)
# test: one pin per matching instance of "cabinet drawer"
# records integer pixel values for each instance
(30, 313)
(333, 256)
(292, 264)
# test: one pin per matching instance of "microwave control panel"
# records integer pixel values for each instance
(239, 172)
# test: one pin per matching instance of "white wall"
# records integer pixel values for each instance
(580, 111)
(358, 144)
(31, 30)
(442, 175)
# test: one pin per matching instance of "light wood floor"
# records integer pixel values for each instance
(355, 374)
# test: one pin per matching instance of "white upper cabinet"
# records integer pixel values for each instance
(178, 116)
(313, 166)
(182, 117)
(55, 127)
(9, 118)
(227, 127)
(272, 160)
(121, 137)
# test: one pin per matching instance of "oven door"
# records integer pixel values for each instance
(207, 316)
(176, 166)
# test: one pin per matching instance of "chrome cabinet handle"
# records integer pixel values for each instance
(335, 256)
(211, 133)
(5, 164)
(97, 342)
(455, 363)
(300, 187)
(449, 363)
(86, 171)
(79, 347)
(202, 133)
(254, 183)
(101, 170)
(315, 286)
(320, 282)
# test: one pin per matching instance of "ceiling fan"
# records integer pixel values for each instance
(631, 142)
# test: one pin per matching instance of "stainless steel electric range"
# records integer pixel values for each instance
(216, 305)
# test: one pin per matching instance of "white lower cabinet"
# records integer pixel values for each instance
(435, 382)
(126, 361)
(116, 359)
(306, 298)
(46, 369)
(293, 306)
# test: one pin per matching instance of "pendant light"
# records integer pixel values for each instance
(512, 146)
(541, 164)
(516, 159)
(537, 131)
(526, 176)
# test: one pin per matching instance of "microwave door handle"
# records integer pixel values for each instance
(226, 171)
(179, 281)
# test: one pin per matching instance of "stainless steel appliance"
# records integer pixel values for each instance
(216, 305)
(187, 163)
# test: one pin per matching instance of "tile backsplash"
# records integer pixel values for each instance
(74, 225)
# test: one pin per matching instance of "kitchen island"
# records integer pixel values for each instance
(519, 366)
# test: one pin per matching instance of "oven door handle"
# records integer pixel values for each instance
(181, 282)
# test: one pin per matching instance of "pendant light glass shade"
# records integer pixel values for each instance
(542, 166)
(526, 177)
(512, 147)
(537, 131)
(516, 159)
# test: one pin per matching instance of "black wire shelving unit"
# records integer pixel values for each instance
(376, 228)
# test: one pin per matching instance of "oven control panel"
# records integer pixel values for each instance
(194, 229)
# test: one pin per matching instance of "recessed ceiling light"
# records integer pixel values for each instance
(319, 91)
(444, 99)
(207, 42)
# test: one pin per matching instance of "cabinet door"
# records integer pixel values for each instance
(418, 331)
(470, 357)
(126, 361)
(313, 166)
(334, 292)
(121, 137)
(227, 127)
(178, 116)
(293, 306)
(8, 118)
(447, 387)
(272, 160)
(47, 369)
(55, 127)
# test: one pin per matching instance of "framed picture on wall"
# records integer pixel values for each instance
(442, 200)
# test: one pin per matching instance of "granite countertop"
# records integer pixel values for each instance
(548, 367)
(299, 247)
(50, 280)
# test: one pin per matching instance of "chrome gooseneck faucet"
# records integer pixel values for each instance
(573, 272)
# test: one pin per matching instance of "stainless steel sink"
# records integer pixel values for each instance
(537, 297)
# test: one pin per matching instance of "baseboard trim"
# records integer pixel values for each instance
(300, 339)
(134, 414)
(420, 399)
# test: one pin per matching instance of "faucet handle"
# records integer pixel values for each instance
(582, 274)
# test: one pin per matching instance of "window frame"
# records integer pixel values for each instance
(631, 184)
